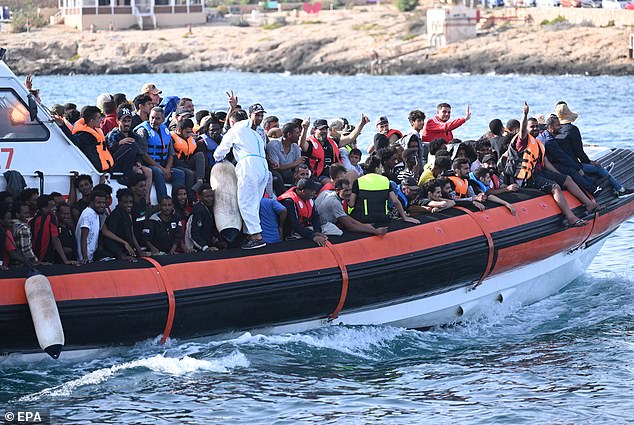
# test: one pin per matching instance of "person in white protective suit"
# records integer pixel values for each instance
(252, 168)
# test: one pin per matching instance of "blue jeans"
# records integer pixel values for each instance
(178, 179)
(601, 172)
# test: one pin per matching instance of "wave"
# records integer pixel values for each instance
(158, 363)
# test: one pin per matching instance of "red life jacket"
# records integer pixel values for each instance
(327, 186)
(317, 156)
(495, 182)
(304, 208)
(394, 131)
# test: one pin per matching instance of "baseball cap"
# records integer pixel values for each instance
(382, 119)
(124, 112)
(256, 108)
(183, 111)
(321, 124)
(488, 158)
(409, 181)
(150, 88)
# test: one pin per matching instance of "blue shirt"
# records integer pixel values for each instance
(269, 211)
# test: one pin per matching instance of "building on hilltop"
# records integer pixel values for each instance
(124, 14)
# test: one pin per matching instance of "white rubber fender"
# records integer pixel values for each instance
(224, 182)
(48, 326)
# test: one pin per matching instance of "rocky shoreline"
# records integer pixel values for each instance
(384, 43)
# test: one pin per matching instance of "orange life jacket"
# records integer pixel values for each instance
(304, 208)
(317, 156)
(183, 148)
(533, 156)
(461, 186)
(102, 145)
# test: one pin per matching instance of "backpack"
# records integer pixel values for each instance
(510, 163)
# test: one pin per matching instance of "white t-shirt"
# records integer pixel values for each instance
(88, 219)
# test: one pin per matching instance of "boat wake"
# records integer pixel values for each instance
(158, 363)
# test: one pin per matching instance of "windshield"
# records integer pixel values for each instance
(15, 120)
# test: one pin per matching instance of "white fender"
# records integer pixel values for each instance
(48, 326)
(224, 182)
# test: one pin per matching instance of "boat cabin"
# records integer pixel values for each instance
(31, 142)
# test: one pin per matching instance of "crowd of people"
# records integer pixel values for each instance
(299, 179)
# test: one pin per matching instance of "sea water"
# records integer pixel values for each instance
(567, 359)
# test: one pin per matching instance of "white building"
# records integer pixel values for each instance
(450, 24)
(123, 14)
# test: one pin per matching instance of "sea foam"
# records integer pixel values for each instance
(158, 363)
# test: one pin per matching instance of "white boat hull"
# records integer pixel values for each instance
(522, 286)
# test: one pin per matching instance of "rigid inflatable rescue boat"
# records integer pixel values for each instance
(453, 265)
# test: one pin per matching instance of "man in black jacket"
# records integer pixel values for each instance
(201, 226)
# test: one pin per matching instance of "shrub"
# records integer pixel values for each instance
(22, 15)
(406, 5)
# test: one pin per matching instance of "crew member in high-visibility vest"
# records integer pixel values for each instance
(369, 200)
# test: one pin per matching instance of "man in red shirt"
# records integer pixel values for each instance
(8, 250)
(46, 232)
(439, 127)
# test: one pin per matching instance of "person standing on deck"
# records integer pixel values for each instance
(252, 169)
(440, 127)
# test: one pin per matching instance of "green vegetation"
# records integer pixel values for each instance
(408, 37)
(26, 17)
(559, 19)
(365, 27)
(311, 22)
(406, 5)
(74, 57)
(272, 26)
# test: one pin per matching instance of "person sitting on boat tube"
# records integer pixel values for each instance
(302, 216)
(569, 140)
(118, 230)
(8, 250)
(439, 126)
(332, 206)
(22, 231)
(201, 233)
(89, 225)
(537, 172)
(482, 179)
(91, 140)
(433, 200)
(463, 192)
(46, 241)
(370, 196)
(163, 231)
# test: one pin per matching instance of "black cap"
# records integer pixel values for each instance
(256, 108)
(320, 124)
(488, 158)
(124, 112)
(183, 111)
(409, 181)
